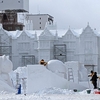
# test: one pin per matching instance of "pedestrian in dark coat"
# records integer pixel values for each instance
(94, 80)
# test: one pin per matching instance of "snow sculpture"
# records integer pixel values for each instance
(79, 71)
(57, 67)
(72, 68)
(83, 73)
(5, 68)
(40, 78)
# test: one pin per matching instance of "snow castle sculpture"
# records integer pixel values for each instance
(6, 67)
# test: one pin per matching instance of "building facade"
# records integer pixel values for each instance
(39, 21)
(29, 47)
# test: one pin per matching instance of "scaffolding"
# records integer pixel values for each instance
(5, 46)
(60, 52)
(28, 59)
(6, 50)
(9, 21)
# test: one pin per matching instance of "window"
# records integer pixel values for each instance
(40, 18)
(71, 45)
(23, 46)
(40, 27)
(88, 47)
(40, 22)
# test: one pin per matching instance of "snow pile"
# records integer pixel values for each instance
(22, 71)
(54, 90)
(5, 80)
(6, 88)
(22, 74)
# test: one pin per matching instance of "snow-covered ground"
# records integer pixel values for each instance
(51, 94)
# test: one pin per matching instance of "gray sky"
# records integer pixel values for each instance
(73, 13)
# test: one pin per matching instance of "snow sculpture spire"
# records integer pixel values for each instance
(88, 24)
(69, 27)
(35, 35)
(56, 35)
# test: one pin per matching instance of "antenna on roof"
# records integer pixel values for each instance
(38, 10)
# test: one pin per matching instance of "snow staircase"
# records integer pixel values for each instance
(70, 74)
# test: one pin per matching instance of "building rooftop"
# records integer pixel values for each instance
(40, 15)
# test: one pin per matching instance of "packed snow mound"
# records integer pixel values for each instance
(22, 71)
(39, 78)
(5, 87)
(6, 67)
(56, 66)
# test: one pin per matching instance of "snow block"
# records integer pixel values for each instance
(39, 78)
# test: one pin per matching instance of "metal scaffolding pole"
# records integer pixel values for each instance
(28, 59)
(60, 52)
(6, 50)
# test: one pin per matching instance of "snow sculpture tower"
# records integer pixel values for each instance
(6, 67)
(45, 43)
(8, 14)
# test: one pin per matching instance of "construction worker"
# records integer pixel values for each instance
(92, 73)
(42, 62)
(94, 78)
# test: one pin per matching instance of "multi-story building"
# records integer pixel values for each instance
(8, 13)
(29, 47)
(39, 21)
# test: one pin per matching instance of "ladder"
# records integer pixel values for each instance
(70, 74)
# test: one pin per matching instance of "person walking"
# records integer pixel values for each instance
(94, 80)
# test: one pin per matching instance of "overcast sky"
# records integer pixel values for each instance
(73, 13)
